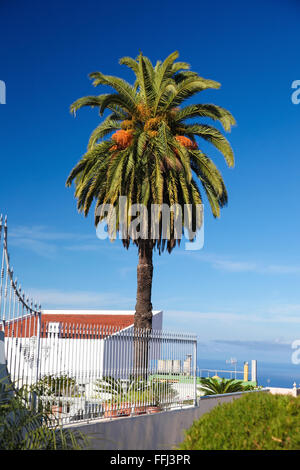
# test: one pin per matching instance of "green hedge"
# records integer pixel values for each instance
(256, 421)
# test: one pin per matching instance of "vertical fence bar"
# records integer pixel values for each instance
(195, 373)
(37, 366)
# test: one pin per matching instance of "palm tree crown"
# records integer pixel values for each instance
(145, 149)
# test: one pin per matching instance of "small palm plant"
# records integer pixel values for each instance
(60, 386)
(110, 386)
(161, 392)
(120, 392)
(216, 386)
(121, 397)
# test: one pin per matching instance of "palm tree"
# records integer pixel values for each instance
(147, 150)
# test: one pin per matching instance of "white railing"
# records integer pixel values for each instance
(246, 375)
(85, 371)
(227, 374)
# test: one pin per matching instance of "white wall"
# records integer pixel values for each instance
(78, 358)
(284, 391)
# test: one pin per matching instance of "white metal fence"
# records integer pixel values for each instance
(85, 371)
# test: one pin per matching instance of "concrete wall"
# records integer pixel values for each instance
(160, 431)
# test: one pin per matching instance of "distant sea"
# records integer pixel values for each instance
(268, 374)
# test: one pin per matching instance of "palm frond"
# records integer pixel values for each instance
(105, 128)
(214, 136)
(92, 101)
(207, 111)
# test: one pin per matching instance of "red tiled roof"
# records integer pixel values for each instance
(70, 325)
(116, 321)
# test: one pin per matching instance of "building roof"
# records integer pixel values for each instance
(115, 320)
(71, 323)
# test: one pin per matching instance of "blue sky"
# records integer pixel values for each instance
(242, 288)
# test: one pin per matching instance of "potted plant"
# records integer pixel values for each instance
(155, 399)
(160, 392)
(113, 387)
(125, 398)
(52, 389)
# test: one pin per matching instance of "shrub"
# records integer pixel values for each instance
(256, 421)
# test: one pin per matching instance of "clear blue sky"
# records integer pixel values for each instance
(244, 285)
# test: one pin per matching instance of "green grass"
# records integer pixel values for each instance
(256, 421)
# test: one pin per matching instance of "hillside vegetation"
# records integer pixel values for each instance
(256, 421)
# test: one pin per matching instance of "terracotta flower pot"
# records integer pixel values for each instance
(56, 409)
(124, 410)
(112, 410)
(140, 410)
(153, 409)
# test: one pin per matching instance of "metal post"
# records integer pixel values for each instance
(38, 343)
(195, 373)
(246, 371)
(38, 333)
(254, 370)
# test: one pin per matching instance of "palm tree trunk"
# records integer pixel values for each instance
(143, 308)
